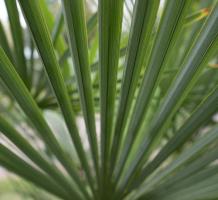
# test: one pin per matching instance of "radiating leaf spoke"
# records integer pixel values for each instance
(26, 102)
(110, 24)
(205, 46)
(8, 158)
(18, 41)
(203, 112)
(27, 149)
(77, 36)
(144, 17)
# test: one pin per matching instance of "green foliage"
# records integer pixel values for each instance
(144, 70)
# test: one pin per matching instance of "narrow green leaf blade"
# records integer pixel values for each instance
(110, 24)
(40, 32)
(145, 13)
(26, 102)
(204, 48)
(23, 169)
(77, 36)
(208, 107)
(4, 43)
(36, 157)
(17, 35)
(170, 26)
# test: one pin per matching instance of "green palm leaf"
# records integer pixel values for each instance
(134, 86)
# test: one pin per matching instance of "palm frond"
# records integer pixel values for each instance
(132, 86)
